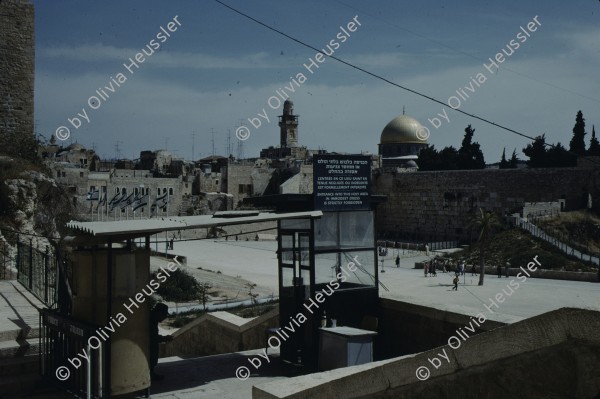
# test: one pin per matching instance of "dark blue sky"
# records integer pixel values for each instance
(219, 68)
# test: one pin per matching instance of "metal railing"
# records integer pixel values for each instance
(37, 271)
(535, 231)
(412, 246)
(8, 265)
(64, 345)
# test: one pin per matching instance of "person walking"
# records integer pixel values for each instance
(398, 260)
(455, 281)
(506, 269)
(434, 267)
(499, 271)
(425, 267)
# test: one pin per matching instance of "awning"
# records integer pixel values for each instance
(124, 229)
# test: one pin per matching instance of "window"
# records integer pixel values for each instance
(170, 190)
(241, 189)
(92, 188)
(117, 190)
(80, 174)
(135, 191)
(164, 190)
(124, 190)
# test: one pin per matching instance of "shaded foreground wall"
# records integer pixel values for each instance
(406, 328)
(220, 332)
(554, 355)
(436, 206)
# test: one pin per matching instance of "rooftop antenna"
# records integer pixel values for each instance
(212, 132)
(118, 149)
(228, 142)
(193, 142)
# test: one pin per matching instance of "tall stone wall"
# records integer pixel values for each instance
(17, 58)
(432, 206)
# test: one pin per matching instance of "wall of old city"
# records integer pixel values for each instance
(17, 60)
(439, 205)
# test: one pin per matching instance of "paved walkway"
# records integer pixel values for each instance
(18, 309)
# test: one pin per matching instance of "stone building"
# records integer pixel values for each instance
(401, 140)
(248, 178)
(79, 181)
(211, 175)
(17, 60)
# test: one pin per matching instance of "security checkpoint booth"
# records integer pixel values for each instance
(97, 346)
(328, 276)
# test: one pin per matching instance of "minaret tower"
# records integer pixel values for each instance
(288, 124)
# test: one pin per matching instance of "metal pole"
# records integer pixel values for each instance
(100, 354)
(88, 375)
(30, 263)
(107, 353)
(46, 276)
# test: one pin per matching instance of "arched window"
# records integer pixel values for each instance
(170, 190)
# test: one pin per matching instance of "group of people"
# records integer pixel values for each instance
(506, 269)
(437, 263)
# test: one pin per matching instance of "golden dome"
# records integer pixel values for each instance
(403, 129)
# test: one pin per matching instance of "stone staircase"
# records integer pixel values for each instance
(19, 340)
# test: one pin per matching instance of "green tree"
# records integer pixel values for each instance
(429, 158)
(470, 155)
(179, 287)
(577, 144)
(536, 151)
(594, 148)
(203, 294)
(512, 164)
(449, 159)
(486, 223)
(560, 157)
(503, 162)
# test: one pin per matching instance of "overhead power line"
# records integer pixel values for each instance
(526, 76)
(485, 120)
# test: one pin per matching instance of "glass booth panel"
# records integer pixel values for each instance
(326, 231)
(295, 224)
(287, 249)
(356, 229)
(355, 269)
(287, 277)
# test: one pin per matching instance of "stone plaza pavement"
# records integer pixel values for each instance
(257, 262)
